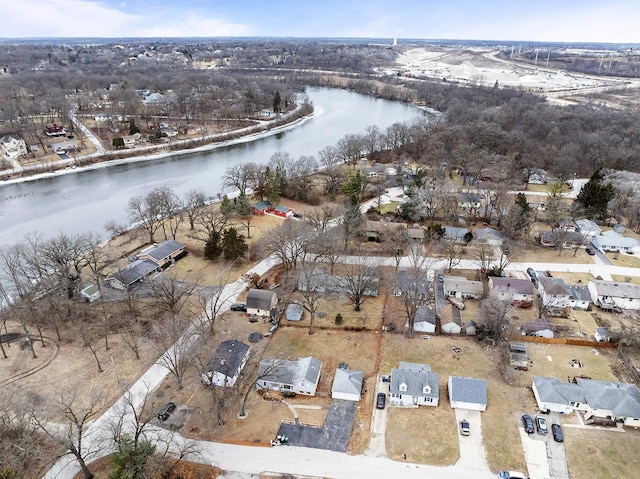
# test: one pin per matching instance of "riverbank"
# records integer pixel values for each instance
(70, 166)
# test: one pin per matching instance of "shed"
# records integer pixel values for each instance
(347, 385)
(283, 211)
(602, 335)
(467, 393)
(261, 207)
(90, 293)
(294, 312)
(540, 327)
(470, 328)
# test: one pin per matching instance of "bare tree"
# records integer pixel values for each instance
(321, 218)
(361, 279)
(144, 211)
(213, 305)
(193, 206)
(240, 177)
(311, 286)
(494, 311)
(413, 284)
(170, 294)
(288, 242)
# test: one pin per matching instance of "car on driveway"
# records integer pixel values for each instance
(511, 475)
(590, 251)
(440, 278)
(464, 427)
(541, 425)
(381, 400)
(527, 422)
(166, 411)
(556, 430)
(239, 307)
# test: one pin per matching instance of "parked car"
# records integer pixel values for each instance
(556, 430)
(239, 307)
(440, 278)
(541, 425)
(511, 475)
(381, 400)
(464, 427)
(166, 411)
(590, 251)
(527, 422)
(531, 272)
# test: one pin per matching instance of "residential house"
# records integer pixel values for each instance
(261, 208)
(294, 312)
(163, 253)
(12, 147)
(488, 236)
(261, 302)
(467, 393)
(598, 400)
(54, 129)
(131, 141)
(537, 202)
(535, 176)
(374, 171)
(224, 367)
(64, 146)
(568, 239)
(517, 291)
(90, 293)
(588, 228)
(539, 327)
(579, 297)
(454, 234)
(415, 284)
(415, 234)
(283, 211)
(611, 295)
(413, 385)
(425, 320)
(450, 320)
(132, 273)
(554, 292)
(300, 377)
(616, 243)
(470, 328)
(377, 230)
(469, 201)
(461, 288)
(347, 384)
(602, 335)
(568, 224)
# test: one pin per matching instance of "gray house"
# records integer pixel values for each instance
(467, 393)
(227, 362)
(261, 302)
(163, 253)
(413, 385)
(132, 273)
(425, 320)
(461, 288)
(409, 283)
(301, 376)
(347, 385)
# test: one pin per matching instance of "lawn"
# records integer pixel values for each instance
(543, 254)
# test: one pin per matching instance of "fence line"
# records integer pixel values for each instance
(567, 341)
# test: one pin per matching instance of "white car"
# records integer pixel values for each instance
(511, 475)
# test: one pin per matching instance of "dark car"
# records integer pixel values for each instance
(590, 252)
(541, 425)
(381, 400)
(166, 411)
(464, 427)
(527, 422)
(532, 273)
(440, 278)
(239, 307)
(556, 430)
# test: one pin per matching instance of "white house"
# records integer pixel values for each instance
(90, 293)
(300, 377)
(579, 297)
(515, 290)
(588, 228)
(461, 288)
(450, 323)
(610, 295)
(598, 400)
(488, 236)
(413, 385)
(227, 362)
(467, 393)
(554, 292)
(425, 320)
(163, 253)
(615, 242)
(261, 302)
(12, 147)
(539, 327)
(347, 385)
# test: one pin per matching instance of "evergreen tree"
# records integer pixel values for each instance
(133, 129)
(243, 210)
(271, 187)
(130, 459)
(353, 186)
(276, 102)
(595, 194)
(213, 246)
(227, 208)
(234, 245)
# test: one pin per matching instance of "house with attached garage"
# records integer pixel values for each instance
(413, 385)
(347, 384)
(588, 228)
(597, 400)
(488, 236)
(611, 295)
(12, 147)
(224, 367)
(467, 393)
(454, 234)
(261, 302)
(163, 253)
(132, 273)
(460, 287)
(615, 243)
(514, 290)
(300, 377)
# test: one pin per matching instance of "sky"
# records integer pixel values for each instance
(614, 21)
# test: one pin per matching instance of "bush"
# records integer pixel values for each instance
(338, 319)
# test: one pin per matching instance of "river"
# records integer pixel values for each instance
(84, 201)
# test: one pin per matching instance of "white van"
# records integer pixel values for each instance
(511, 475)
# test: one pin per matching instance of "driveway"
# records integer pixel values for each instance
(472, 452)
(377, 444)
(545, 457)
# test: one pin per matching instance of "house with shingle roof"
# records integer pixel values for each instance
(300, 377)
(132, 273)
(227, 362)
(12, 147)
(512, 289)
(411, 283)
(554, 292)
(579, 297)
(413, 385)
(467, 393)
(488, 236)
(261, 302)
(347, 384)
(614, 294)
(163, 253)
(425, 320)
(460, 287)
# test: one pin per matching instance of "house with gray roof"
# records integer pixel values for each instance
(413, 385)
(347, 384)
(163, 253)
(588, 228)
(467, 393)
(425, 320)
(512, 289)
(615, 243)
(261, 302)
(300, 377)
(227, 362)
(598, 400)
(579, 297)
(411, 283)
(460, 287)
(454, 234)
(553, 291)
(539, 327)
(488, 236)
(132, 273)
(610, 295)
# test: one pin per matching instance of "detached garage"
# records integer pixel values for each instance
(347, 385)
(467, 393)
